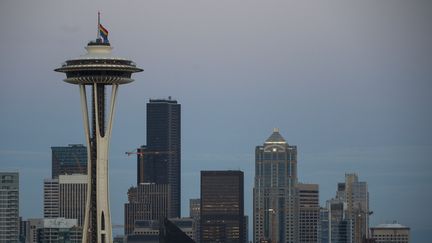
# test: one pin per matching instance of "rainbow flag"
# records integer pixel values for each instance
(103, 34)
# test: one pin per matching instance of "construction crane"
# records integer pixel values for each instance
(142, 152)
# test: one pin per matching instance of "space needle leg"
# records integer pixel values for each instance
(103, 134)
(84, 109)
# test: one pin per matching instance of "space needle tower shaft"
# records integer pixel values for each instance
(93, 72)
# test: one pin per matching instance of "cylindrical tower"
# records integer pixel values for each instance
(97, 69)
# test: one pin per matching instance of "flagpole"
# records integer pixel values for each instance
(98, 32)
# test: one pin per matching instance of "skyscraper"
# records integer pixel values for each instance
(160, 160)
(65, 197)
(9, 207)
(309, 212)
(222, 206)
(51, 198)
(339, 226)
(356, 196)
(147, 201)
(72, 197)
(195, 214)
(275, 194)
(97, 69)
(70, 159)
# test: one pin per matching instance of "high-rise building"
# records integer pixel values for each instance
(222, 206)
(51, 198)
(309, 212)
(97, 70)
(147, 201)
(324, 226)
(275, 200)
(339, 226)
(194, 213)
(194, 207)
(160, 160)
(390, 233)
(65, 197)
(355, 194)
(72, 197)
(70, 159)
(9, 207)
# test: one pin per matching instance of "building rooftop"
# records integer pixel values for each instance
(275, 137)
(390, 226)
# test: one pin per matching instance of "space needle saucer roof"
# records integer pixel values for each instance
(98, 65)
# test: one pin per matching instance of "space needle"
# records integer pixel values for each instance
(93, 72)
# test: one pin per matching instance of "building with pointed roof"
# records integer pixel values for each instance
(275, 198)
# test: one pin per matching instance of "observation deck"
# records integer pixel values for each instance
(98, 66)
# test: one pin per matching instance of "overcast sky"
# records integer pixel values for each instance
(348, 82)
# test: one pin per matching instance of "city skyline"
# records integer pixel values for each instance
(353, 100)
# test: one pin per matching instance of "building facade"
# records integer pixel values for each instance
(59, 230)
(275, 200)
(70, 159)
(160, 160)
(339, 225)
(147, 201)
(222, 207)
(390, 233)
(356, 197)
(9, 207)
(65, 197)
(309, 212)
(51, 198)
(72, 197)
(194, 213)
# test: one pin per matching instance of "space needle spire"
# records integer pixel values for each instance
(93, 72)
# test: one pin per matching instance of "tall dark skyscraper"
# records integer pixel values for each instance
(160, 160)
(70, 159)
(222, 206)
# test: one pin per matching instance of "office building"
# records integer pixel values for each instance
(194, 213)
(65, 197)
(32, 230)
(147, 201)
(51, 198)
(324, 226)
(275, 200)
(59, 230)
(23, 224)
(70, 159)
(222, 206)
(160, 160)
(72, 197)
(356, 197)
(390, 233)
(309, 212)
(339, 225)
(194, 207)
(9, 207)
